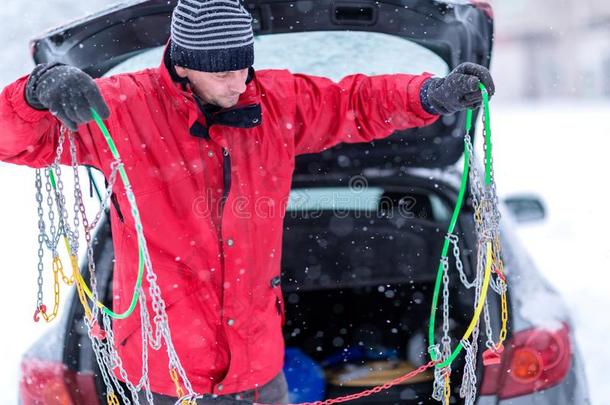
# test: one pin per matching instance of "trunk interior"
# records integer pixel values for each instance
(366, 336)
(358, 288)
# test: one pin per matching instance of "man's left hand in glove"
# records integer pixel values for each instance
(458, 91)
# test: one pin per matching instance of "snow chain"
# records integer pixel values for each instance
(489, 273)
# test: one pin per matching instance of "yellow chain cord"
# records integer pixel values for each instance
(81, 294)
(179, 391)
(503, 331)
(174, 376)
(85, 289)
(447, 388)
(498, 263)
(483, 295)
(477, 215)
(497, 245)
(112, 399)
(81, 286)
(58, 271)
(42, 310)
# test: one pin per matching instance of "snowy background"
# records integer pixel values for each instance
(21, 20)
(556, 149)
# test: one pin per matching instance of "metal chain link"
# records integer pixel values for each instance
(41, 240)
(106, 356)
(454, 239)
(468, 389)
(61, 199)
(54, 235)
(490, 344)
(446, 339)
(161, 332)
(104, 204)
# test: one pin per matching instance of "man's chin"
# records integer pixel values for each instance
(232, 103)
(226, 104)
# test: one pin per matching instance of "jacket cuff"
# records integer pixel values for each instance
(20, 105)
(423, 96)
(32, 83)
(416, 103)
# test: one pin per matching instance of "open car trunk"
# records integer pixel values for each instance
(358, 282)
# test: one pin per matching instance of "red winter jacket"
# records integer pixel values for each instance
(218, 265)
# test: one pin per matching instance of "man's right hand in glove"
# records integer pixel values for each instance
(67, 92)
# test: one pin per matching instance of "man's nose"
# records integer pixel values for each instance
(238, 86)
(238, 83)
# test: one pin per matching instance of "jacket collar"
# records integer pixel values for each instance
(245, 114)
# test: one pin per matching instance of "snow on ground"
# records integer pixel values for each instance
(560, 152)
(22, 20)
(557, 151)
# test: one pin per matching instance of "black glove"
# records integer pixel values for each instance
(66, 91)
(458, 91)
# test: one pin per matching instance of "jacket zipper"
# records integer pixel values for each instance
(226, 182)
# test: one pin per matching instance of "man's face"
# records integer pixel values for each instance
(222, 89)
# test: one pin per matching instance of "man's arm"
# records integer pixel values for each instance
(30, 136)
(362, 108)
(359, 108)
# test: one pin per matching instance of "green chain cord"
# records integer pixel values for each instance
(454, 218)
(136, 216)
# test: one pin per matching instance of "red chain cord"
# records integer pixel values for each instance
(371, 391)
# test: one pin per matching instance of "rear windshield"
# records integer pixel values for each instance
(356, 236)
(333, 54)
(370, 202)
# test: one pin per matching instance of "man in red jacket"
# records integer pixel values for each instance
(209, 146)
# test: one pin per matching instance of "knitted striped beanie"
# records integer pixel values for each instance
(211, 35)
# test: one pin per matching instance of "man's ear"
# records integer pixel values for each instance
(180, 71)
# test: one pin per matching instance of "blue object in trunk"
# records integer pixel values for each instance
(305, 377)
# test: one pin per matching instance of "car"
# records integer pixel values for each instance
(365, 222)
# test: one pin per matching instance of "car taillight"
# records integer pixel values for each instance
(45, 383)
(534, 360)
